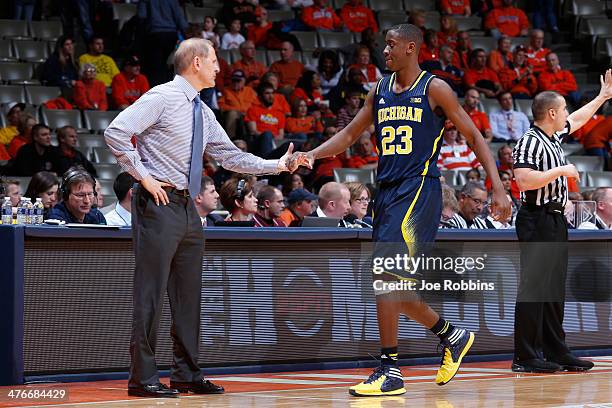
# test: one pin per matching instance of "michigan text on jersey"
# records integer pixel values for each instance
(400, 113)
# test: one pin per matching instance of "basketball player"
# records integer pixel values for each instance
(408, 109)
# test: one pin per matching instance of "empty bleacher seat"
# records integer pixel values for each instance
(378, 5)
(425, 5)
(468, 23)
(30, 50)
(490, 105)
(123, 12)
(280, 15)
(56, 118)
(274, 55)
(16, 72)
(107, 171)
(87, 142)
(98, 121)
(38, 95)
(13, 29)
(225, 54)
(307, 39)
(10, 93)
(486, 43)
(104, 155)
(573, 148)
(599, 179)
(106, 186)
(6, 50)
(387, 19)
(46, 30)
(197, 14)
(365, 176)
(260, 55)
(524, 105)
(586, 7)
(587, 163)
(432, 20)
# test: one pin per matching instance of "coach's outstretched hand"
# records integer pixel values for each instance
(500, 206)
(284, 161)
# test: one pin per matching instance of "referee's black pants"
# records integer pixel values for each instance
(538, 319)
(168, 245)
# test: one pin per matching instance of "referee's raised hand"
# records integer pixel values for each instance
(155, 188)
(606, 84)
(500, 206)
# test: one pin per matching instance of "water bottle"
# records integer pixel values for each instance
(39, 210)
(29, 210)
(7, 211)
(21, 212)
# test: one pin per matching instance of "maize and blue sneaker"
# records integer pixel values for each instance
(385, 380)
(455, 347)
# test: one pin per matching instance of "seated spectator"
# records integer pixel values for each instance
(89, 92)
(448, 31)
(207, 201)
(349, 110)
(36, 156)
(105, 66)
(24, 127)
(505, 163)
(243, 10)
(603, 211)
(449, 206)
(257, 33)
(270, 205)
(264, 123)
(78, 199)
(334, 202)
(253, 69)
(357, 17)
(287, 68)
(280, 102)
(292, 182)
(508, 125)
(363, 63)
(473, 175)
(320, 16)
(232, 39)
(209, 31)
(418, 18)
(480, 119)
(235, 102)
(455, 155)
(68, 155)
(369, 39)
(443, 68)
(360, 200)
(518, 78)
(12, 189)
(507, 20)
(461, 59)
(560, 80)
(43, 185)
(502, 56)
(364, 156)
(300, 203)
(598, 141)
(351, 82)
(61, 69)
(536, 52)
(129, 84)
(121, 214)
(300, 124)
(472, 201)
(329, 70)
(237, 197)
(506, 180)
(456, 7)
(12, 110)
(430, 48)
(480, 77)
(308, 88)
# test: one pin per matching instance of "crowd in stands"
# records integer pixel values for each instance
(297, 98)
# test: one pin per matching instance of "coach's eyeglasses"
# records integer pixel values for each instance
(81, 196)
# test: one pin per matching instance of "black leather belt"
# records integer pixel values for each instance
(175, 191)
(550, 207)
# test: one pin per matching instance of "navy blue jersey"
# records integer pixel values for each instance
(408, 132)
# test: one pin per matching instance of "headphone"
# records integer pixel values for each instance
(67, 179)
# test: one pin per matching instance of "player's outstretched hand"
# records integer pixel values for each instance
(500, 206)
(606, 84)
(300, 159)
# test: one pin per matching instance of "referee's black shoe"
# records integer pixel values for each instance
(570, 363)
(158, 390)
(535, 366)
(198, 387)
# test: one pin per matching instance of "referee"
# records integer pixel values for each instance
(541, 172)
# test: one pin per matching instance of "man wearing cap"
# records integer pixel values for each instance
(236, 99)
(11, 111)
(300, 203)
(129, 84)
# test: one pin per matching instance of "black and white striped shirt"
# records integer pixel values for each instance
(458, 222)
(538, 151)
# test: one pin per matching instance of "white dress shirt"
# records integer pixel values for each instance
(119, 216)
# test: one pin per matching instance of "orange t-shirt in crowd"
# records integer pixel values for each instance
(288, 72)
(537, 59)
(288, 217)
(457, 7)
(251, 70)
(326, 165)
(480, 119)
(357, 162)
(299, 93)
(527, 85)
(239, 101)
(126, 92)
(497, 60)
(257, 33)
(266, 119)
(88, 94)
(320, 17)
(508, 20)
(307, 124)
(16, 144)
(600, 135)
(428, 54)
(461, 59)
(449, 39)
(358, 18)
(472, 76)
(224, 77)
(587, 127)
(562, 81)
(280, 104)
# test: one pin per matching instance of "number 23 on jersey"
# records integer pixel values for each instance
(390, 144)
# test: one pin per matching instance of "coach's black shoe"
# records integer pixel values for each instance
(199, 387)
(570, 363)
(158, 390)
(535, 366)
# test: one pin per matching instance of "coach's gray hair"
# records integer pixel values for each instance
(188, 50)
(600, 194)
(543, 102)
(472, 186)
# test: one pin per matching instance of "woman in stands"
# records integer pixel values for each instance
(300, 125)
(360, 200)
(237, 197)
(60, 69)
(329, 70)
(43, 185)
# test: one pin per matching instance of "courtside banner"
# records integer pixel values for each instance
(288, 301)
